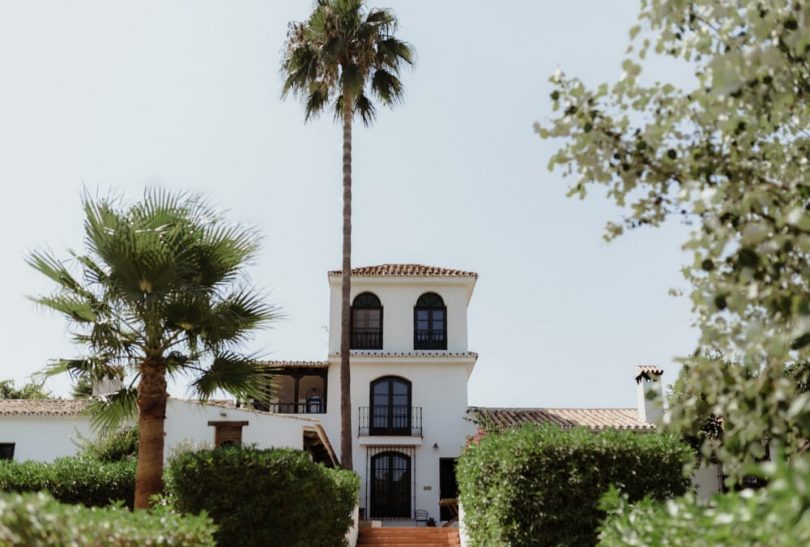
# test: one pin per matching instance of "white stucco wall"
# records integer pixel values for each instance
(187, 423)
(398, 297)
(44, 438)
(438, 384)
(439, 387)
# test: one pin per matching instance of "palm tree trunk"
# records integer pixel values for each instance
(152, 398)
(345, 307)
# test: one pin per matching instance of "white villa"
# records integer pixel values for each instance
(410, 364)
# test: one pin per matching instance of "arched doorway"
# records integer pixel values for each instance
(390, 485)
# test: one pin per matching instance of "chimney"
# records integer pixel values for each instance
(650, 394)
(107, 386)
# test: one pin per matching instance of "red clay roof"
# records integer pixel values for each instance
(566, 418)
(42, 407)
(405, 270)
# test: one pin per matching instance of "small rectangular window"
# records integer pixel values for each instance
(7, 451)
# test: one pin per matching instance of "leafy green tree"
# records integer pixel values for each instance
(729, 153)
(31, 390)
(161, 292)
(339, 58)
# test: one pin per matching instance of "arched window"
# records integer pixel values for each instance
(430, 322)
(390, 406)
(366, 322)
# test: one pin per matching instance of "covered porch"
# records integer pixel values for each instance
(299, 387)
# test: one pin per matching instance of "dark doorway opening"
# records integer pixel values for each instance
(448, 486)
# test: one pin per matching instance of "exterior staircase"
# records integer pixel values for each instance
(408, 537)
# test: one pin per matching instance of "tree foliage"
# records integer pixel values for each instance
(728, 153)
(30, 390)
(161, 292)
(345, 49)
(776, 515)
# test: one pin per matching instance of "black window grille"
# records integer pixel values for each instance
(366, 322)
(430, 322)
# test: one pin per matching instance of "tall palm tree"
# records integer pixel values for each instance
(160, 292)
(340, 57)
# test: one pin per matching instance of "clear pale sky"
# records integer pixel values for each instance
(186, 95)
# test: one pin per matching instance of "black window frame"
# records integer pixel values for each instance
(397, 423)
(429, 302)
(370, 339)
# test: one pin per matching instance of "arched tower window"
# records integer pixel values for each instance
(366, 322)
(430, 322)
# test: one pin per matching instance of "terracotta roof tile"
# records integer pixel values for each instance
(42, 407)
(405, 270)
(566, 418)
(648, 371)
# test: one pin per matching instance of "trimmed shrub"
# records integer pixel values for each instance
(72, 480)
(777, 515)
(276, 497)
(540, 485)
(115, 446)
(37, 520)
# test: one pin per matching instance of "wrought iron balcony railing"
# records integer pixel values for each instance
(396, 420)
(429, 339)
(366, 339)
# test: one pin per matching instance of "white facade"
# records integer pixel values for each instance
(44, 438)
(437, 378)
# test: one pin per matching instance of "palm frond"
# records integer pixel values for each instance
(111, 411)
(391, 53)
(229, 320)
(387, 87)
(366, 109)
(75, 308)
(236, 374)
(46, 264)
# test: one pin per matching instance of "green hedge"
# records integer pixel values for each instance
(777, 515)
(72, 480)
(275, 497)
(37, 520)
(540, 485)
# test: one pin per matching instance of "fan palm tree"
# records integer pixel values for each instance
(340, 58)
(160, 292)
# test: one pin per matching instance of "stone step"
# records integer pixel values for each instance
(408, 537)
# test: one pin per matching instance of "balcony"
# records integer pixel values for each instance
(396, 421)
(430, 339)
(366, 338)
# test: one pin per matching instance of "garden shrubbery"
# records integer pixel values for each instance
(86, 481)
(276, 497)
(777, 515)
(541, 485)
(37, 520)
(121, 444)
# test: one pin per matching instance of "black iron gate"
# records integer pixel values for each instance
(390, 480)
